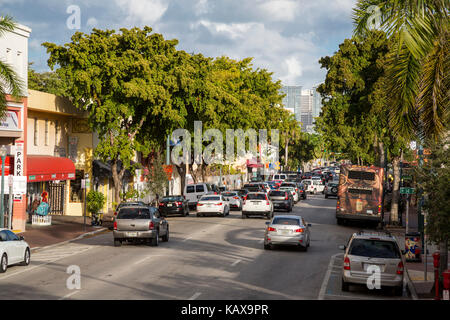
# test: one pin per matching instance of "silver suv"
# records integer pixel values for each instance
(369, 251)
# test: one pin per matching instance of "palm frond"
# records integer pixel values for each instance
(10, 81)
(6, 24)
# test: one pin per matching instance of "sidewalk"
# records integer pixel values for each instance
(416, 270)
(63, 228)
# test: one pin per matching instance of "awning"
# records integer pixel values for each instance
(48, 168)
(253, 163)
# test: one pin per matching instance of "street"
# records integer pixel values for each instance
(205, 258)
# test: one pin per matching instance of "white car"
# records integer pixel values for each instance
(233, 198)
(313, 185)
(213, 205)
(292, 190)
(13, 250)
(257, 203)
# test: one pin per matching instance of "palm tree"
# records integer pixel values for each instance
(10, 83)
(418, 72)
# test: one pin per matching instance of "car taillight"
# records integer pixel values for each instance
(219, 204)
(400, 268)
(300, 230)
(337, 205)
(271, 229)
(236, 198)
(115, 213)
(151, 225)
(346, 263)
(267, 203)
(199, 204)
(287, 198)
(178, 203)
(161, 204)
(115, 225)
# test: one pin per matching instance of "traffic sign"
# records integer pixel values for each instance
(407, 190)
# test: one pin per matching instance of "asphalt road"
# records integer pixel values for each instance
(205, 258)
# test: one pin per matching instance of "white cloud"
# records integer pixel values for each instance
(201, 7)
(139, 12)
(292, 70)
(280, 10)
(92, 22)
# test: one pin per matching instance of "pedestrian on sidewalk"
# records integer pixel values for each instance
(44, 208)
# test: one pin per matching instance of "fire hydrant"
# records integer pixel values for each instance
(446, 275)
(436, 258)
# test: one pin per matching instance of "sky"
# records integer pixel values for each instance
(286, 37)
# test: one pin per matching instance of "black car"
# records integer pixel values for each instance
(242, 192)
(174, 205)
(281, 200)
(253, 187)
(331, 189)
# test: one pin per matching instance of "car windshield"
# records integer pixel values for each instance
(134, 213)
(277, 194)
(168, 199)
(374, 249)
(256, 196)
(286, 221)
(209, 198)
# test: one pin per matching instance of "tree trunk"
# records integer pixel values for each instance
(395, 191)
(203, 169)
(182, 172)
(193, 174)
(117, 181)
(381, 153)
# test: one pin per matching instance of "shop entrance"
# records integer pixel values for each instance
(56, 197)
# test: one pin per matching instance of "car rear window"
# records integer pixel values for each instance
(209, 198)
(286, 221)
(199, 188)
(256, 196)
(168, 199)
(190, 189)
(229, 194)
(277, 193)
(134, 213)
(374, 249)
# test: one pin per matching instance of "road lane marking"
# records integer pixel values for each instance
(261, 241)
(195, 296)
(186, 239)
(326, 279)
(69, 295)
(236, 262)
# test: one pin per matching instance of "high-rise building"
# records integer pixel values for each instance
(306, 110)
(292, 99)
(317, 103)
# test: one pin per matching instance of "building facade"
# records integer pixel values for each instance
(292, 99)
(13, 129)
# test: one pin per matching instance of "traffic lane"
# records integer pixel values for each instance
(317, 209)
(331, 287)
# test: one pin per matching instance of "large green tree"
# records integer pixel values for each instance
(419, 64)
(10, 82)
(122, 80)
(49, 82)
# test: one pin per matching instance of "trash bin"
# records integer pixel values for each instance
(413, 247)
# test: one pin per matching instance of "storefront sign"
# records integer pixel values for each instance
(10, 121)
(18, 158)
(31, 178)
(20, 185)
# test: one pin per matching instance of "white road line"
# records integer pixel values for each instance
(69, 295)
(327, 276)
(142, 260)
(186, 239)
(236, 262)
(195, 296)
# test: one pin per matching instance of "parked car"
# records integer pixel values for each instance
(195, 191)
(331, 189)
(380, 249)
(174, 205)
(13, 250)
(287, 230)
(233, 199)
(313, 185)
(292, 190)
(257, 203)
(140, 224)
(282, 200)
(212, 205)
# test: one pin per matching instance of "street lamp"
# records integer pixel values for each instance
(3, 151)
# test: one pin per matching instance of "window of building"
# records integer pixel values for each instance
(35, 131)
(76, 193)
(57, 132)
(46, 132)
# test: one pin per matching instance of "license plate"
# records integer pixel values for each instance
(169, 204)
(131, 234)
(256, 202)
(374, 267)
(285, 232)
(369, 211)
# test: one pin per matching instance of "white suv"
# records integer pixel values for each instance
(257, 203)
(193, 192)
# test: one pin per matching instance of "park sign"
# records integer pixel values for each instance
(407, 191)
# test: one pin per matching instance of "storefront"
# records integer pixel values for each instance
(51, 174)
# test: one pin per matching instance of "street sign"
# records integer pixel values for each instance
(20, 185)
(407, 191)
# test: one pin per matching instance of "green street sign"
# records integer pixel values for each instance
(407, 190)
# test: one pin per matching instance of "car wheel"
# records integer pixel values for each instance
(304, 249)
(339, 221)
(165, 237)
(117, 243)
(267, 247)
(4, 263)
(26, 257)
(155, 240)
(199, 214)
(345, 286)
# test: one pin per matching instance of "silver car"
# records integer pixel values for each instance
(377, 251)
(140, 223)
(287, 230)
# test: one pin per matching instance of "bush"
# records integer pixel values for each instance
(95, 201)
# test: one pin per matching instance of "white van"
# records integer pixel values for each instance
(195, 191)
(281, 177)
(313, 185)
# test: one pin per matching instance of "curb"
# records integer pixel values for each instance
(410, 286)
(67, 241)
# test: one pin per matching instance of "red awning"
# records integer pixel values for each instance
(48, 168)
(252, 163)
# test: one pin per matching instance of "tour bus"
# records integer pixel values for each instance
(360, 194)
